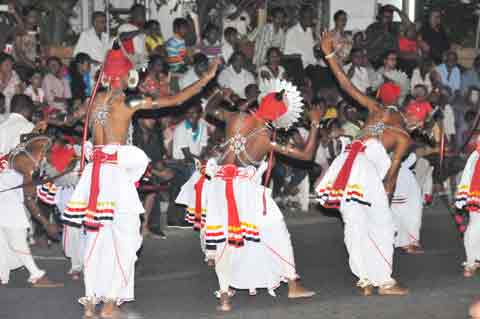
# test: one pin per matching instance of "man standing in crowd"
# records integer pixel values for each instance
(299, 39)
(382, 36)
(133, 30)
(94, 41)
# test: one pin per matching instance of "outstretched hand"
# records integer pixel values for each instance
(327, 42)
(316, 112)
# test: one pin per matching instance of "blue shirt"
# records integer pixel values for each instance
(453, 81)
(469, 79)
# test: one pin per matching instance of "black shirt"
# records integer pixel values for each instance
(438, 42)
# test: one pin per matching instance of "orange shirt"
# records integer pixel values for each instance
(407, 45)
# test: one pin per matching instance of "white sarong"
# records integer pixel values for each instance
(407, 205)
(110, 252)
(73, 240)
(14, 249)
(266, 257)
(369, 224)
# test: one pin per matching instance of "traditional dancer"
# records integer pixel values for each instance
(23, 162)
(361, 180)
(245, 232)
(64, 167)
(467, 200)
(105, 200)
(407, 208)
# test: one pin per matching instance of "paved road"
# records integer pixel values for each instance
(173, 283)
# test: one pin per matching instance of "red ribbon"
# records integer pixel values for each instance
(98, 158)
(198, 202)
(342, 178)
(474, 185)
(235, 235)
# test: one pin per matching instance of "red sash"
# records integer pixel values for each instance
(235, 232)
(341, 181)
(98, 158)
(198, 202)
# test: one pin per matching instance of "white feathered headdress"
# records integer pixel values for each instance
(292, 106)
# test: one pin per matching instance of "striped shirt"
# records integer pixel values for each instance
(176, 53)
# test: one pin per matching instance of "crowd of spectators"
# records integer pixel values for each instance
(415, 56)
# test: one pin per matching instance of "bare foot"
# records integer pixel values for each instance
(211, 263)
(75, 275)
(44, 282)
(296, 290)
(475, 310)
(469, 272)
(394, 290)
(89, 310)
(109, 310)
(224, 304)
(366, 291)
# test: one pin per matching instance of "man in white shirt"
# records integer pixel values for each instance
(200, 66)
(299, 38)
(16, 124)
(190, 136)
(134, 30)
(235, 76)
(230, 41)
(94, 41)
(356, 72)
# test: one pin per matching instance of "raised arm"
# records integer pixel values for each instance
(403, 16)
(182, 96)
(212, 107)
(307, 153)
(327, 45)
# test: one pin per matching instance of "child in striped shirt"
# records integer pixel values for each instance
(176, 47)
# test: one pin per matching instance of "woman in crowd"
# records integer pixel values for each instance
(81, 82)
(34, 90)
(343, 41)
(56, 87)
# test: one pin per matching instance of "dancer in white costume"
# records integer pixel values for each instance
(245, 232)
(468, 199)
(361, 180)
(23, 161)
(407, 208)
(105, 200)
